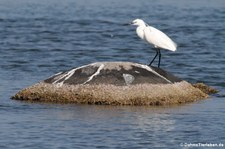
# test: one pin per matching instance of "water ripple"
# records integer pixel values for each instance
(40, 38)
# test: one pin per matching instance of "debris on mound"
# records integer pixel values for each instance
(113, 83)
(206, 89)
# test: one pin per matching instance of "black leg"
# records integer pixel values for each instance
(159, 58)
(157, 52)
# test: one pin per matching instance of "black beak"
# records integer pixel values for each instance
(126, 24)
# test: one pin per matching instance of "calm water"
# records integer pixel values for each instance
(39, 38)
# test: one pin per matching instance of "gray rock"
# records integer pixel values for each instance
(114, 83)
(116, 73)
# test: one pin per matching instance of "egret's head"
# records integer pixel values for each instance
(138, 22)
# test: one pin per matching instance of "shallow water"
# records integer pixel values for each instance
(40, 38)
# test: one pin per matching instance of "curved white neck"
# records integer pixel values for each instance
(140, 31)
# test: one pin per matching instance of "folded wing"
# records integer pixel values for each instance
(159, 39)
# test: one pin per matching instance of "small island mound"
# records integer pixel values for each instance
(113, 83)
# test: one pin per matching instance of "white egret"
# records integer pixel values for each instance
(155, 37)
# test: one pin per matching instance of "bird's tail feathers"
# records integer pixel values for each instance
(175, 46)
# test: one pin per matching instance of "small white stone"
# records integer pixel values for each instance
(137, 71)
(128, 78)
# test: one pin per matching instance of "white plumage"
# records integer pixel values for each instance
(155, 37)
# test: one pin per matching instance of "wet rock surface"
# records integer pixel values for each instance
(116, 73)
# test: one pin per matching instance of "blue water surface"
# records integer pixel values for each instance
(41, 38)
